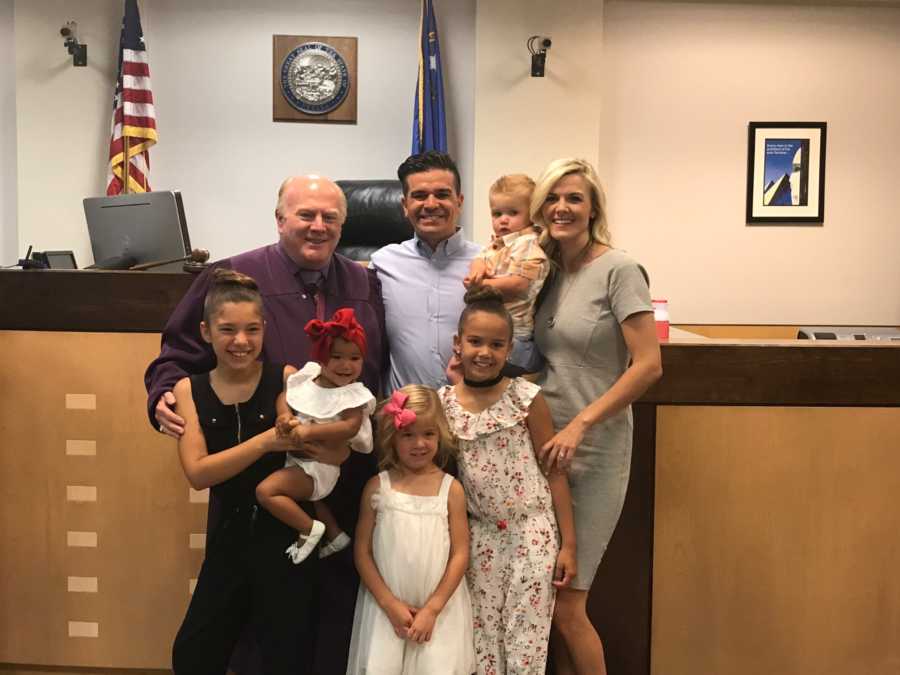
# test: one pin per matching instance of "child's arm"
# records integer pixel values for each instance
(204, 470)
(528, 264)
(285, 419)
(330, 432)
(511, 287)
(398, 612)
(423, 624)
(540, 424)
(477, 272)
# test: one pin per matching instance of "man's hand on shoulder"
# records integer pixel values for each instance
(167, 420)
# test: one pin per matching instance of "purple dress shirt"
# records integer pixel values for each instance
(288, 306)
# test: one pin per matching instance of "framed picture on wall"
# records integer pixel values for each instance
(786, 173)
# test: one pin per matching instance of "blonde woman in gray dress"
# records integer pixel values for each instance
(596, 330)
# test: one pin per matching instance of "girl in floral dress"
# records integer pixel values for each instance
(521, 526)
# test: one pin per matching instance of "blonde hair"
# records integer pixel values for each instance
(425, 403)
(514, 184)
(598, 228)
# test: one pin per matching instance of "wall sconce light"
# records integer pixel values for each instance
(70, 42)
(538, 46)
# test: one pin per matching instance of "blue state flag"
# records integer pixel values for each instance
(429, 120)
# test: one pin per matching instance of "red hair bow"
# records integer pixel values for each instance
(343, 325)
(403, 417)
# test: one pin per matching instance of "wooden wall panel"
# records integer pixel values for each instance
(776, 541)
(743, 331)
(142, 515)
(12, 669)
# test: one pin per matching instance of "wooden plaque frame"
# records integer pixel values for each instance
(282, 110)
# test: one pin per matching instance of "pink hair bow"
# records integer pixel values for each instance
(403, 417)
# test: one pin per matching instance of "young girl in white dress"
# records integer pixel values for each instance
(413, 614)
(522, 530)
(327, 405)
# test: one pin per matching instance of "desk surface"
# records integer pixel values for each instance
(697, 370)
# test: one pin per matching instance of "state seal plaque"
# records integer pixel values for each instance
(314, 79)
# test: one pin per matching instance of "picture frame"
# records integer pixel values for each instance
(786, 173)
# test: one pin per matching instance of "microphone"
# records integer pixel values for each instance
(194, 261)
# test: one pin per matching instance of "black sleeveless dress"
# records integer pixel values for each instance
(247, 581)
(225, 426)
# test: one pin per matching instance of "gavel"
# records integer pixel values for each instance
(195, 261)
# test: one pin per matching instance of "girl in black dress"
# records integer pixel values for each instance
(230, 445)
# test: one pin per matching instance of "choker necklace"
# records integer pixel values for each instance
(483, 384)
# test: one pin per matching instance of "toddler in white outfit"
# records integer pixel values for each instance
(322, 402)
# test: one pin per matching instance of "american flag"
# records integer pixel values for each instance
(134, 118)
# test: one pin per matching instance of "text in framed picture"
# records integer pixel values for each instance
(786, 173)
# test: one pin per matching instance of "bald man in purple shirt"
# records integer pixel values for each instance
(300, 278)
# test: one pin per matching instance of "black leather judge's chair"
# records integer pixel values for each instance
(374, 217)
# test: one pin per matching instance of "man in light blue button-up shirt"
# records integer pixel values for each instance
(422, 278)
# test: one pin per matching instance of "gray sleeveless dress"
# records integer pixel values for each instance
(578, 330)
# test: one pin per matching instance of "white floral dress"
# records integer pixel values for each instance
(514, 538)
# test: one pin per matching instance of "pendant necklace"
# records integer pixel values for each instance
(569, 282)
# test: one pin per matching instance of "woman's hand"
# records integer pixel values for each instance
(560, 450)
(566, 568)
(401, 617)
(422, 625)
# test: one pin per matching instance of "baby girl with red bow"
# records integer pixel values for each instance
(322, 402)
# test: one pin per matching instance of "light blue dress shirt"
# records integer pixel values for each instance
(423, 298)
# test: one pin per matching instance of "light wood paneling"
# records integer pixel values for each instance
(744, 331)
(776, 543)
(142, 514)
(741, 331)
(12, 669)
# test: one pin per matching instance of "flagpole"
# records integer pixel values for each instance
(126, 164)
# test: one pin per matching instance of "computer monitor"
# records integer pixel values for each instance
(137, 228)
(57, 260)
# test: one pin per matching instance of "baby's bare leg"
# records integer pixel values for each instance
(279, 493)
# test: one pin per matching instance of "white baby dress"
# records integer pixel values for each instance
(314, 404)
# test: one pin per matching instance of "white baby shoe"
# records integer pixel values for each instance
(297, 552)
(339, 543)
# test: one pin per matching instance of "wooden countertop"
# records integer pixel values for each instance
(697, 370)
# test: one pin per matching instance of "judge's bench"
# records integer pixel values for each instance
(759, 533)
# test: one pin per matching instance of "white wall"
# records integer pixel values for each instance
(9, 252)
(659, 94)
(524, 122)
(211, 66)
(683, 82)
